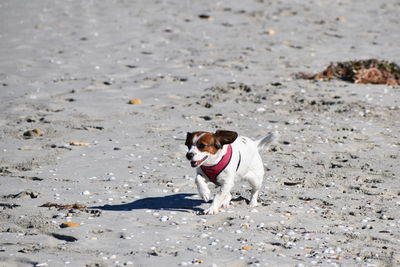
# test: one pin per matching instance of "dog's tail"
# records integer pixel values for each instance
(267, 140)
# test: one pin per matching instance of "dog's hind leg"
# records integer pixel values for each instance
(255, 180)
(255, 190)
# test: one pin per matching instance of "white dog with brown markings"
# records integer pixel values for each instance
(221, 158)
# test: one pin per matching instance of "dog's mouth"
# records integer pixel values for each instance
(198, 163)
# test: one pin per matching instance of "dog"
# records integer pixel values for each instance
(220, 158)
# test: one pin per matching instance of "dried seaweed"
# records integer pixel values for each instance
(371, 71)
(64, 207)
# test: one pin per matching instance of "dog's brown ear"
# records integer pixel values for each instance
(189, 139)
(224, 137)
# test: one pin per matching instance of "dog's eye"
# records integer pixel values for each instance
(201, 146)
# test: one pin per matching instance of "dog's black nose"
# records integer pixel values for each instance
(189, 156)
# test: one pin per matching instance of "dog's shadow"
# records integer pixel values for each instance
(176, 202)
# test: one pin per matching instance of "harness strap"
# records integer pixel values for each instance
(240, 158)
(212, 172)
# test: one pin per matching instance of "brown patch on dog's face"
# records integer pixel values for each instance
(206, 143)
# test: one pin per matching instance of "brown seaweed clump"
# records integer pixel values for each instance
(64, 207)
(370, 71)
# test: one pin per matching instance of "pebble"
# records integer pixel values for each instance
(74, 143)
(135, 101)
(34, 132)
(247, 248)
(164, 218)
(270, 32)
(261, 225)
(69, 224)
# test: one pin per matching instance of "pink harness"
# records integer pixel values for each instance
(213, 171)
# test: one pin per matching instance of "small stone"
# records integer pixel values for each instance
(261, 225)
(341, 19)
(69, 224)
(247, 248)
(206, 118)
(207, 105)
(206, 17)
(135, 101)
(270, 32)
(34, 132)
(245, 225)
(73, 143)
(164, 218)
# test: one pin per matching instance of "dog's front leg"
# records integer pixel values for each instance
(219, 198)
(202, 187)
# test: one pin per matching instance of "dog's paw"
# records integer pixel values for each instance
(226, 204)
(205, 195)
(211, 211)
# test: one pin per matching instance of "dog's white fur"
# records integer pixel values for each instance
(251, 169)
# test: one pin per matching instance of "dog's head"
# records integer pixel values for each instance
(203, 146)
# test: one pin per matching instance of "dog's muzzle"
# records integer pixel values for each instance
(195, 164)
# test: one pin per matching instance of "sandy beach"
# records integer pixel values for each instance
(88, 179)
